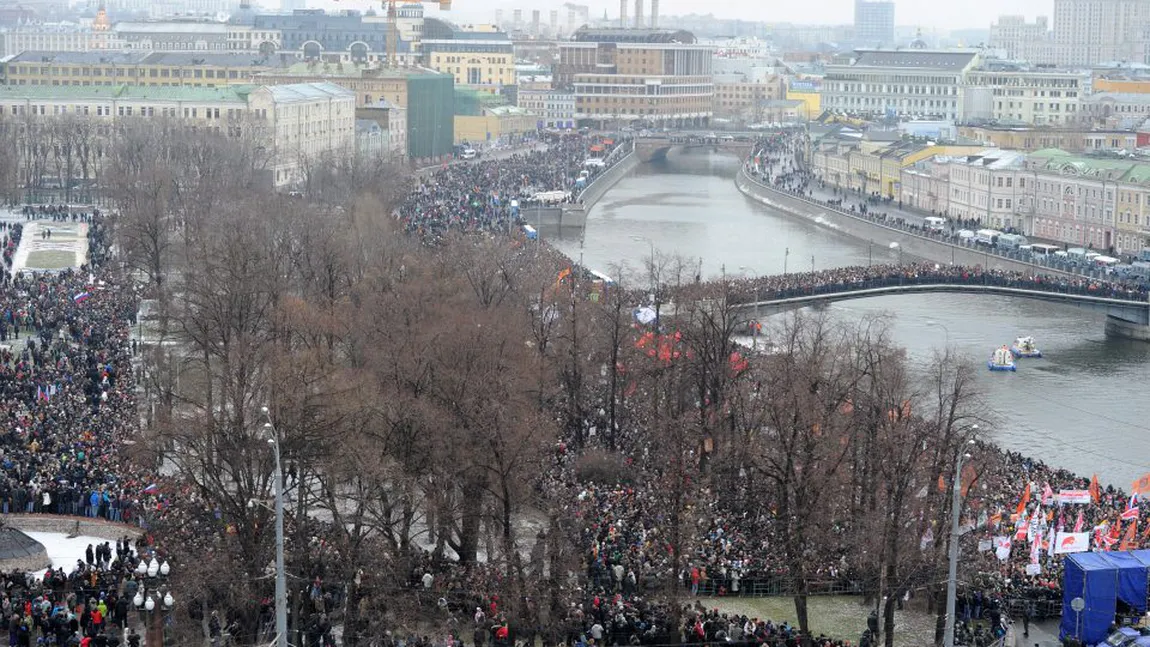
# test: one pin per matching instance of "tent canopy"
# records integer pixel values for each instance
(1101, 579)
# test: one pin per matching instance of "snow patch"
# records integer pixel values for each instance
(62, 550)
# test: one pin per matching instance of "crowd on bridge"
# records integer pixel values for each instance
(479, 196)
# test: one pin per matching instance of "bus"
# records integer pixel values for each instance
(1106, 261)
(934, 223)
(1042, 249)
(986, 236)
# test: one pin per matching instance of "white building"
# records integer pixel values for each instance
(1036, 97)
(1074, 198)
(912, 83)
(308, 122)
(554, 108)
(874, 23)
(1117, 109)
(173, 36)
(1024, 41)
(1089, 32)
(990, 187)
(58, 37)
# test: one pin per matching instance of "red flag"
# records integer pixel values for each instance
(1025, 500)
(1095, 489)
(1047, 494)
(1078, 524)
(1128, 540)
(969, 476)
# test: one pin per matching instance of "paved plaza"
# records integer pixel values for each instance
(48, 246)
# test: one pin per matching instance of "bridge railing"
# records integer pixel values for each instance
(1053, 285)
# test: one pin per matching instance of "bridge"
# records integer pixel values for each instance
(657, 146)
(1127, 310)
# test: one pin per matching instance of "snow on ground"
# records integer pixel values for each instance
(62, 550)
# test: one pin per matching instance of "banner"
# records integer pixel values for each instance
(1074, 496)
(1071, 542)
(1034, 569)
(1002, 548)
(1142, 485)
(985, 545)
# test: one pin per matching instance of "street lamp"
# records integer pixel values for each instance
(281, 584)
(786, 257)
(952, 576)
(152, 593)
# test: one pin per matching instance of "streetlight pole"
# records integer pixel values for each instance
(786, 257)
(952, 575)
(281, 581)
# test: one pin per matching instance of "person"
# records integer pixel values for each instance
(1027, 612)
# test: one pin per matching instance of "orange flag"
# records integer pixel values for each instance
(1095, 489)
(1025, 500)
(1128, 542)
(969, 475)
(941, 484)
(995, 519)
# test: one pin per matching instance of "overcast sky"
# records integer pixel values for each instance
(953, 14)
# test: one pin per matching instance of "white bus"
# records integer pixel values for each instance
(1042, 249)
(934, 223)
(1106, 261)
(986, 236)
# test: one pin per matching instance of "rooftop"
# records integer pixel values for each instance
(226, 94)
(588, 35)
(349, 71)
(915, 59)
(1118, 97)
(1055, 160)
(213, 59)
(171, 27)
(297, 92)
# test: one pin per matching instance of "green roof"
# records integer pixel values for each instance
(231, 93)
(1123, 170)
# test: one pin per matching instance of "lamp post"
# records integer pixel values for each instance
(281, 583)
(952, 575)
(786, 257)
(153, 592)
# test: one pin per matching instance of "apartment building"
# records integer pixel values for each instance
(1027, 96)
(740, 97)
(1024, 41)
(901, 83)
(1090, 32)
(297, 123)
(649, 76)
(136, 68)
(552, 108)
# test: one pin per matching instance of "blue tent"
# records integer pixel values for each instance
(1093, 578)
(1101, 579)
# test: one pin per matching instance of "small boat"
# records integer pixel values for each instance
(1001, 360)
(1024, 347)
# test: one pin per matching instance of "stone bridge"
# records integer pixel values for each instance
(649, 149)
(1127, 312)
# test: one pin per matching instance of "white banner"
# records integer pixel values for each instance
(985, 545)
(1034, 569)
(1071, 542)
(1074, 496)
(1002, 548)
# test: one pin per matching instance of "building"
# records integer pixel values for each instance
(990, 187)
(1117, 109)
(296, 123)
(350, 37)
(1089, 32)
(381, 131)
(552, 108)
(740, 98)
(1029, 96)
(137, 68)
(1029, 138)
(900, 83)
(59, 37)
(874, 23)
(172, 36)
(482, 59)
(645, 76)
(1075, 197)
(1122, 83)
(1024, 41)
(499, 124)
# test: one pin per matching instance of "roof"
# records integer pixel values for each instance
(1118, 97)
(507, 111)
(213, 59)
(208, 28)
(614, 35)
(297, 92)
(192, 94)
(991, 158)
(80, 58)
(1058, 161)
(350, 71)
(915, 59)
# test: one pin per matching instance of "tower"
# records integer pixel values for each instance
(654, 14)
(554, 21)
(638, 14)
(622, 14)
(535, 22)
(517, 18)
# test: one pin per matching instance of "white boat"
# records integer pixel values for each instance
(1024, 347)
(1001, 360)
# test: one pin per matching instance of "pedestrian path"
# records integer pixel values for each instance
(48, 246)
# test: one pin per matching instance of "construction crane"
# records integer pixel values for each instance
(393, 26)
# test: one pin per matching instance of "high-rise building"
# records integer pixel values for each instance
(1025, 41)
(1090, 32)
(874, 23)
(289, 6)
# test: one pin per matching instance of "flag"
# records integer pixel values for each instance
(969, 476)
(1079, 522)
(995, 519)
(1025, 500)
(941, 483)
(1095, 489)
(1022, 531)
(1131, 511)
(82, 297)
(1050, 543)
(1002, 548)
(1047, 494)
(927, 539)
(152, 489)
(1128, 542)
(1035, 551)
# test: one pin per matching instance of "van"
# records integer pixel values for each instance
(986, 236)
(468, 154)
(934, 223)
(1042, 249)
(1010, 241)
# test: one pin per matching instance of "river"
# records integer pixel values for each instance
(1082, 407)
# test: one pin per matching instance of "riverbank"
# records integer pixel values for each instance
(912, 243)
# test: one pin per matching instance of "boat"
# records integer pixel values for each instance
(1024, 347)
(1001, 360)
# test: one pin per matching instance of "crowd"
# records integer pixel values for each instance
(479, 196)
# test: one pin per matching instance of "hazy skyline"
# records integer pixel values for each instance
(922, 13)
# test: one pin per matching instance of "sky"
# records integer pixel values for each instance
(955, 14)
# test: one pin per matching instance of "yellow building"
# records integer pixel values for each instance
(1126, 85)
(504, 124)
(370, 84)
(169, 69)
(487, 65)
(1031, 139)
(812, 103)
